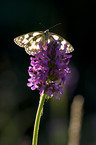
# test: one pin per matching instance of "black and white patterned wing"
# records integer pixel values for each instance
(62, 41)
(30, 41)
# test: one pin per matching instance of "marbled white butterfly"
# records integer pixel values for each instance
(31, 40)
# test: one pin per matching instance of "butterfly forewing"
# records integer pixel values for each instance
(30, 41)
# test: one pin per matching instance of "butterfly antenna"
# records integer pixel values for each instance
(55, 25)
(42, 25)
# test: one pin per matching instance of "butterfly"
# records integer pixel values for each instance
(30, 41)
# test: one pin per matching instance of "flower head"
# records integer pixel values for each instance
(48, 69)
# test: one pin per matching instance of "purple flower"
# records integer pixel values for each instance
(48, 69)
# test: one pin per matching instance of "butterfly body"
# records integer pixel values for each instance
(30, 41)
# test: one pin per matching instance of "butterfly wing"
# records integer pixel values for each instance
(62, 41)
(30, 41)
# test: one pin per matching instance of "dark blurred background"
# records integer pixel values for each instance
(18, 104)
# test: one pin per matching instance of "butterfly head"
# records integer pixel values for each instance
(46, 34)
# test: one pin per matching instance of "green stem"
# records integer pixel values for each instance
(37, 120)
